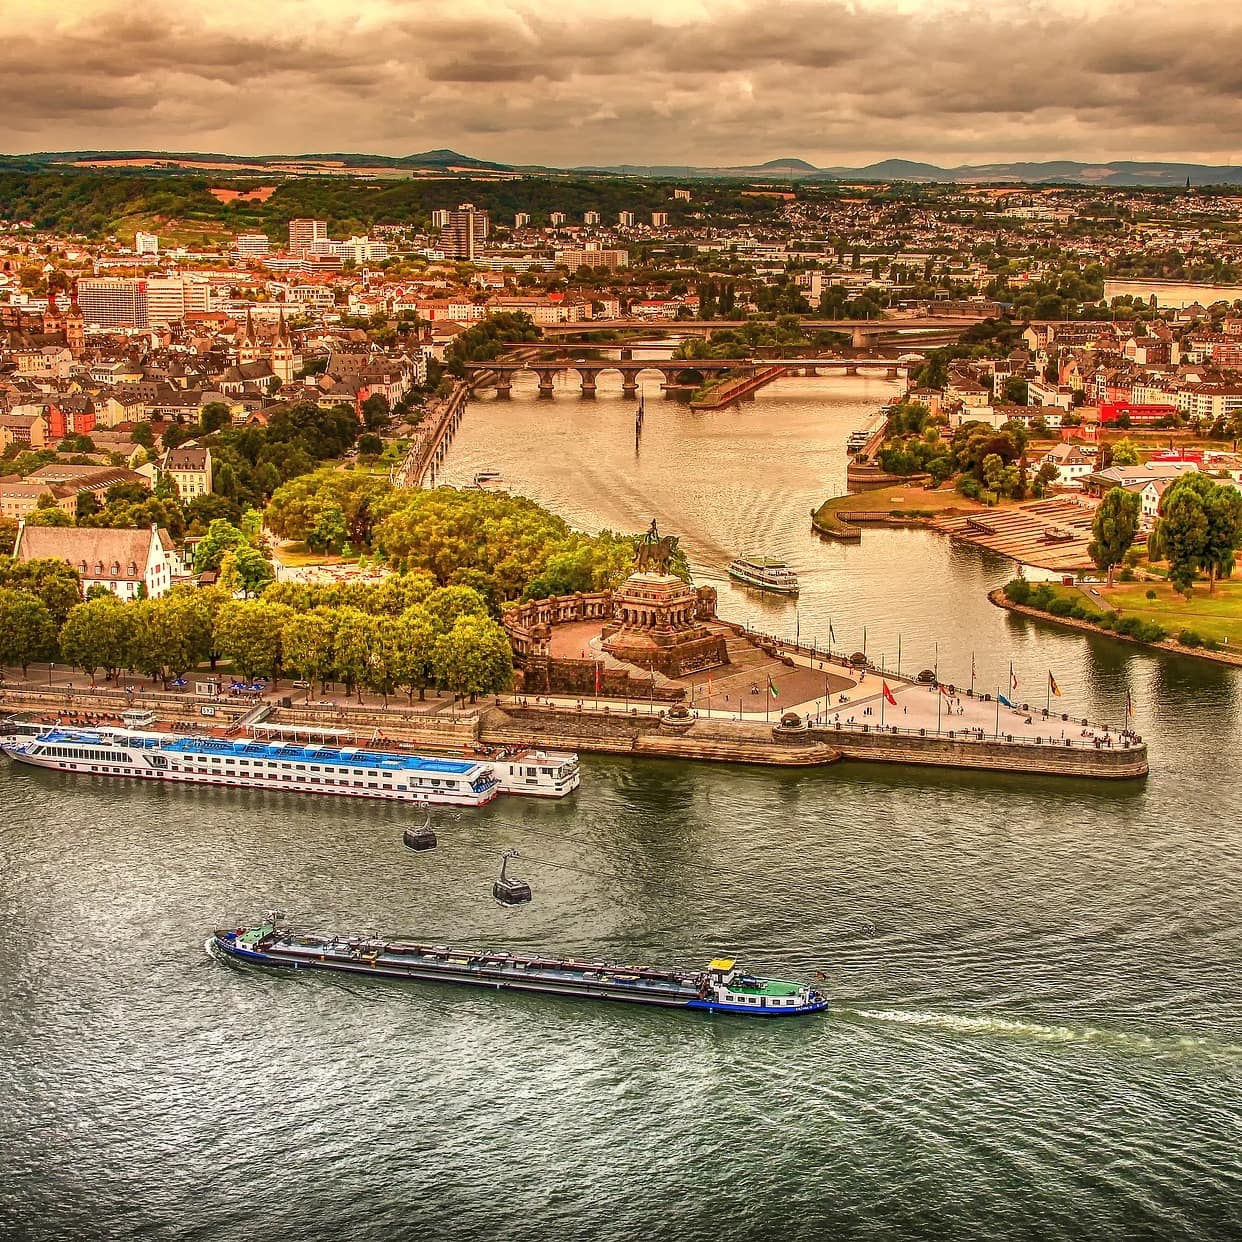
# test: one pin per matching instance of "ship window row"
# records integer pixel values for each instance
(74, 752)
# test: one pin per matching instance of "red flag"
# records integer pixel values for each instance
(597, 669)
(888, 694)
(945, 690)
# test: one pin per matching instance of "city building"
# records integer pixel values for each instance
(251, 245)
(464, 232)
(304, 233)
(189, 468)
(130, 563)
(521, 220)
(146, 243)
(113, 302)
(659, 219)
(625, 219)
(590, 217)
(574, 257)
(171, 298)
(557, 219)
(440, 218)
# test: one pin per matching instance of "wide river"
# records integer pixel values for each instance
(1037, 1021)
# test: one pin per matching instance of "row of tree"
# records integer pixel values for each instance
(422, 636)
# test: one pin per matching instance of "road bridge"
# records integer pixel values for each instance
(862, 332)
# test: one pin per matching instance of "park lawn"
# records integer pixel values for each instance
(901, 498)
(295, 555)
(1217, 616)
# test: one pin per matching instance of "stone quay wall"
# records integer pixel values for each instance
(1111, 763)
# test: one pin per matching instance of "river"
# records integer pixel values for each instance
(1037, 1022)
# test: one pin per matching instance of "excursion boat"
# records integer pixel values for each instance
(298, 767)
(856, 441)
(765, 574)
(721, 988)
(484, 477)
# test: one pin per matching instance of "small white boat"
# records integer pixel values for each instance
(764, 574)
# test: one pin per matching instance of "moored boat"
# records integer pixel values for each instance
(721, 988)
(765, 574)
(298, 767)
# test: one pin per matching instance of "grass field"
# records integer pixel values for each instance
(1217, 616)
(298, 554)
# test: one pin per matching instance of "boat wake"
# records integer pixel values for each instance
(989, 1025)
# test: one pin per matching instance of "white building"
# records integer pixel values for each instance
(146, 243)
(1073, 465)
(130, 563)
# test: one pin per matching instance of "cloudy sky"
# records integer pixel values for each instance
(639, 81)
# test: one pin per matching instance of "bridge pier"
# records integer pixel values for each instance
(629, 381)
(588, 384)
(504, 385)
(545, 383)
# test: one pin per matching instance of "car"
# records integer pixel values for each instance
(301, 685)
(1094, 591)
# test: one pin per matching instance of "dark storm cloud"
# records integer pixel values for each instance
(639, 82)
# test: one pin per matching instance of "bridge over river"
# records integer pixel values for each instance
(677, 373)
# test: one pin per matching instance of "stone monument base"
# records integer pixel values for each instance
(655, 625)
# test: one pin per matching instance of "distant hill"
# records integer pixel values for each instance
(1157, 173)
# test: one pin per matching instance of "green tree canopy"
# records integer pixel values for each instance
(27, 630)
(1114, 527)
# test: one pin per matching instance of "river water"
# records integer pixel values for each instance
(1037, 1029)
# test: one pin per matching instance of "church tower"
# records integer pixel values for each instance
(248, 347)
(75, 326)
(52, 322)
(282, 352)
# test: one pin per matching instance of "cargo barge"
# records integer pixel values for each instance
(721, 988)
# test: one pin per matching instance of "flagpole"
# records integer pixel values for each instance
(972, 674)
(998, 713)
(864, 642)
(898, 655)
(1048, 694)
(939, 701)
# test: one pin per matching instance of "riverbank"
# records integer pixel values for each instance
(899, 504)
(1001, 600)
(611, 729)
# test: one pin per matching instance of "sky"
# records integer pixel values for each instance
(572, 82)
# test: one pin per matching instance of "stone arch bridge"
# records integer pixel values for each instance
(676, 373)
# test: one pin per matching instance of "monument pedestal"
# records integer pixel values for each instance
(655, 625)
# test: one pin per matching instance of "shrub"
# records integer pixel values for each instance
(1126, 575)
(1018, 591)
(1059, 607)
(1210, 644)
(1188, 638)
(1150, 593)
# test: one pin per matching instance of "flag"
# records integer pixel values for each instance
(945, 690)
(888, 694)
(972, 668)
(1013, 678)
(832, 634)
(1129, 706)
(597, 672)
(1052, 684)
(1000, 698)
(772, 687)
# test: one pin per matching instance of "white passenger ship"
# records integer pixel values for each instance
(298, 767)
(766, 574)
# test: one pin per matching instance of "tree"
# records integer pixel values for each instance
(245, 569)
(27, 631)
(1125, 453)
(353, 638)
(1114, 527)
(213, 416)
(306, 639)
(1198, 530)
(418, 640)
(54, 581)
(248, 632)
(1015, 390)
(474, 657)
(445, 604)
(96, 635)
(170, 635)
(221, 537)
(8, 535)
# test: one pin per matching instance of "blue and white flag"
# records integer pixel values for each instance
(1000, 698)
